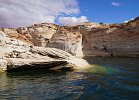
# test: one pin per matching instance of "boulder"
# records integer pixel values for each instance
(44, 58)
(17, 64)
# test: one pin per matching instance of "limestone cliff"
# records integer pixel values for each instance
(86, 39)
(69, 39)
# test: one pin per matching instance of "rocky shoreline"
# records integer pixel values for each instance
(57, 47)
(18, 55)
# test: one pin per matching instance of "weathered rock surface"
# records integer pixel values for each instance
(87, 39)
(92, 39)
(3, 65)
(2, 38)
(18, 55)
(68, 39)
(18, 46)
(112, 40)
(39, 34)
(13, 34)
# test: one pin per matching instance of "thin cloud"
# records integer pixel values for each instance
(117, 4)
(72, 20)
(15, 13)
(86, 10)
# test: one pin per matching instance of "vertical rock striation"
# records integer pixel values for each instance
(68, 39)
(112, 40)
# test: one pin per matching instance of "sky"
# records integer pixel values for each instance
(17, 13)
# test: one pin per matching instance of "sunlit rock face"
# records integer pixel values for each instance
(38, 34)
(92, 39)
(13, 34)
(69, 39)
(2, 38)
(50, 35)
(54, 45)
(86, 39)
(19, 55)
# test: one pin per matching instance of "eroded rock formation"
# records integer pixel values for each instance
(39, 34)
(68, 39)
(112, 40)
(18, 55)
(86, 39)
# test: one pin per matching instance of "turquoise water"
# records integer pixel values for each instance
(107, 79)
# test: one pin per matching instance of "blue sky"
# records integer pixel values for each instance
(17, 13)
(104, 11)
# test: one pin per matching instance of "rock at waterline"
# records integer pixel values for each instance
(20, 56)
(3, 65)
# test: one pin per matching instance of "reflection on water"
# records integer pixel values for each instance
(3, 81)
(107, 79)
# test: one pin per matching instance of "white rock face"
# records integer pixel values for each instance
(2, 38)
(3, 65)
(48, 58)
(78, 62)
(68, 39)
(16, 54)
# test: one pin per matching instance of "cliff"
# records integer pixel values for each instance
(112, 40)
(86, 39)
(92, 39)
(69, 39)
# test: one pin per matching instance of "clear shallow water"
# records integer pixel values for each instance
(107, 79)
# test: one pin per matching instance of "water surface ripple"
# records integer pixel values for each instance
(107, 79)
